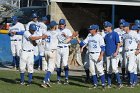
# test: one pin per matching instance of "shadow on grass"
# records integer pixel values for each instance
(12, 81)
(79, 81)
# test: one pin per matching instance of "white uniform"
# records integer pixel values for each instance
(41, 46)
(120, 54)
(137, 66)
(130, 45)
(63, 48)
(16, 40)
(51, 49)
(94, 48)
(27, 54)
(37, 33)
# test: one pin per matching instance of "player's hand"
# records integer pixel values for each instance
(115, 54)
(75, 34)
(13, 33)
(64, 34)
(137, 52)
(100, 58)
(81, 50)
(44, 36)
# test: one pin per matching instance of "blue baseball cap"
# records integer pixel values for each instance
(32, 27)
(134, 27)
(62, 21)
(34, 15)
(107, 24)
(53, 23)
(14, 18)
(44, 18)
(125, 24)
(121, 21)
(93, 27)
(137, 21)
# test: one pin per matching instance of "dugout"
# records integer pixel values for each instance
(82, 13)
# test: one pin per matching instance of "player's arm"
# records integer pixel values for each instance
(102, 46)
(70, 37)
(37, 37)
(138, 46)
(117, 41)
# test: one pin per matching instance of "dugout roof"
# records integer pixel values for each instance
(110, 2)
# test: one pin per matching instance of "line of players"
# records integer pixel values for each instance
(52, 45)
(118, 45)
(121, 47)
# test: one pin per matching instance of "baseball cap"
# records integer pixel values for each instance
(62, 21)
(134, 27)
(14, 18)
(121, 21)
(32, 27)
(34, 15)
(53, 23)
(44, 18)
(137, 21)
(107, 24)
(125, 24)
(93, 27)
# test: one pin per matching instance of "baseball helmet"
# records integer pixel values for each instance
(107, 24)
(137, 21)
(34, 15)
(121, 21)
(93, 27)
(62, 21)
(32, 27)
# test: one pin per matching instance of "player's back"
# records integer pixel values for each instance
(18, 27)
(52, 41)
(27, 45)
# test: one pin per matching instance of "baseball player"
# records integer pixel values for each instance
(41, 46)
(16, 31)
(96, 48)
(137, 65)
(120, 32)
(85, 60)
(131, 49)
(63, 50)
(111, 51)
(51, 43)
(27, 53)
(37, 49)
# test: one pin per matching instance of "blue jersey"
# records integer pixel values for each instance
(111, 41)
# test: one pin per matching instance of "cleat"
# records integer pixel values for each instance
(130, 86)
(109, 86)
(66, 82)
(22, 83)
(103, 87)
(94, 86)
(44, 85)
(59, 82)
(120, 86)
(28, 84)
(48, 84)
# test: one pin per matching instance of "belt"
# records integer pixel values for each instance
(16, 40)
(62, 46)
(28, 50)
(130, 50)
(94, 52)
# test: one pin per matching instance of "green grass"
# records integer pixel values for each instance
(9, 83)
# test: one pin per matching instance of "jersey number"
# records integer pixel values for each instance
(130, 42)
(94, 46)
(48, 39)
